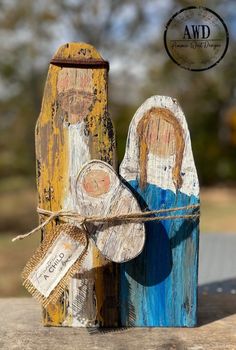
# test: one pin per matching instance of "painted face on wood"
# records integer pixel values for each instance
(96, 183)
(75, 93)
(161, 135)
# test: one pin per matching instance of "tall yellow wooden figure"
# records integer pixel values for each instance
(73, 128)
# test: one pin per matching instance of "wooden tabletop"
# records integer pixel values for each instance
(21, 328)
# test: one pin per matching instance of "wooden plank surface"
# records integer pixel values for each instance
(159, 287)
(74, 127)
(22, 329)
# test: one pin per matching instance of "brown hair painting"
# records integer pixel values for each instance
(161, 134)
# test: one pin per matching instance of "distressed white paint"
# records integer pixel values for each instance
(78, 155)
(156, 166)
(80, 312)
(117, 242)
(59, 258)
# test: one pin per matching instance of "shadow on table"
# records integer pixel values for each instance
(217, 300)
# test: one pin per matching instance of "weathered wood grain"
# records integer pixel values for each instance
(159, 287)
(22, 329)
(101, 193)
(73, 128)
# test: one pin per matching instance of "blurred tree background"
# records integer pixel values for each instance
(130, 35)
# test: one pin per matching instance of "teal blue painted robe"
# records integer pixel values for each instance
(159, 287)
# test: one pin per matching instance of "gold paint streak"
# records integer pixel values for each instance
(101, 147)
(77, 50)
(54, 315)
(143, 151)
(52, 183)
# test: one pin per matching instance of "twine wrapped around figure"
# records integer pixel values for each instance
(64, 216)
(35, 279)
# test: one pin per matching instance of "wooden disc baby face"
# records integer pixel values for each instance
(96, 183)
(101, 193)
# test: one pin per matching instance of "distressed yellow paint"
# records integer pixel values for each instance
(52, 170)
(55, 314)
(51, 177)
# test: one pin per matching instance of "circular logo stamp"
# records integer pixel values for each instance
(196, 38)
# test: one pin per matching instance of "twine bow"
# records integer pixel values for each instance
(146, 216)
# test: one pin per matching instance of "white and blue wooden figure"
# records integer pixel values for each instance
(159, 287)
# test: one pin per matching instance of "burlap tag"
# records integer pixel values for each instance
(63, 264)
